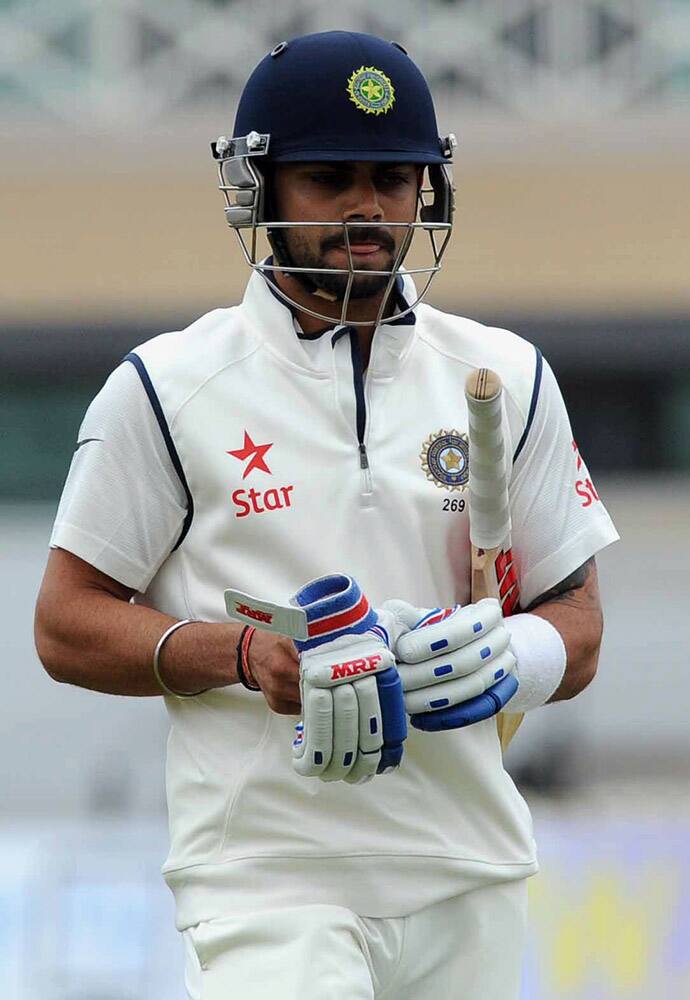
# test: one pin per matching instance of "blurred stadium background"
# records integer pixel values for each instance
(573, 229)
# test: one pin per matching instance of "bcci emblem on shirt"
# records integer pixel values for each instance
(445, 459)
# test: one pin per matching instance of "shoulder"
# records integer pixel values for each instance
(476, 345)
(182, 360)
(215, 339)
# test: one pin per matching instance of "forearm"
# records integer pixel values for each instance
(582, 649)
(106, 644)
(575, 612)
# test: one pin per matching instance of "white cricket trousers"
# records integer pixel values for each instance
(469, 947)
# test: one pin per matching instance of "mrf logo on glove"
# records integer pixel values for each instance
(354, 667)
(354, 720)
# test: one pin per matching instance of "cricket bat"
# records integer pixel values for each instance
(493, 570)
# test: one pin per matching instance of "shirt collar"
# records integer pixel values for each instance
(272, 319)
(402, 298)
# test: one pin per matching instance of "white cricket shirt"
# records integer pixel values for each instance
(236, 454)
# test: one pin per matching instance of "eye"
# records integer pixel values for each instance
(327, 178)
(394, 178)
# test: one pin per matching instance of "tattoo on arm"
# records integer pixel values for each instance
(563, 591)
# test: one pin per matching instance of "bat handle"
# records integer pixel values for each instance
(488, 478)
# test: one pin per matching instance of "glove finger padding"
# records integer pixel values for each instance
(370, 732)
(456, 663)
(357, 724)
(462, 689)
(370, 721)
(384, 730)
(336, 715)
(345, 733)
(313, 748)
(394, 721)
(484, 706)
(442, 630)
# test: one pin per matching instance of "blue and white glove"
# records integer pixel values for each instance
(455, 664)
(354, 720)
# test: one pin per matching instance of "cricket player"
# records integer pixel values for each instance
(341, 822)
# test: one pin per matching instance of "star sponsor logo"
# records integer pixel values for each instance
(254, 501)
(255, 453)
(584, 487)
(445, 459)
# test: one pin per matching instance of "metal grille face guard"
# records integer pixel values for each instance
(243, 186)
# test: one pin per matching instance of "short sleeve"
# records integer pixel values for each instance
(558, 518)
(123, 507)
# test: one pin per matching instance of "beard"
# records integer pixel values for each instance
(292, 249)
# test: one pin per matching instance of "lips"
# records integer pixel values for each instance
(363, 244)
(362, 249)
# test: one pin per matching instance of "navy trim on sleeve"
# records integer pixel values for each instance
(167, 437)
(533, 403)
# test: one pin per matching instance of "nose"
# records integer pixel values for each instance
(362, 202)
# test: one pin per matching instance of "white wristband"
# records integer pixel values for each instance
(541, 660)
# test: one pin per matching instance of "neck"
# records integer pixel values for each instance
(362, 311)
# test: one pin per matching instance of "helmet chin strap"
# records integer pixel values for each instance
(321, 293)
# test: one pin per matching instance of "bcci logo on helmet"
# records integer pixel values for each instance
(445, 459)
(371, 90)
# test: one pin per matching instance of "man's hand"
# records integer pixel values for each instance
(455, 663)
(354, 720)
(275, 666)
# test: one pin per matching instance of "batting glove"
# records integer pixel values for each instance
(455, 664)
(354, 721)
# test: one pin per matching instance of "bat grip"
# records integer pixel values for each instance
(488, 480)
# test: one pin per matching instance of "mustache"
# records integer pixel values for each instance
(368, 234)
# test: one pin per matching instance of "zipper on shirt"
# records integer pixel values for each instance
(360, 404)
(364, 466)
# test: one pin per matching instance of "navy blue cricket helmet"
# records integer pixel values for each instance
(333, 96)
(339, 95)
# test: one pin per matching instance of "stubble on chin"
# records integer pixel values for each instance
(363, 286)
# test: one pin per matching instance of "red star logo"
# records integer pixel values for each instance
(256, 451)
